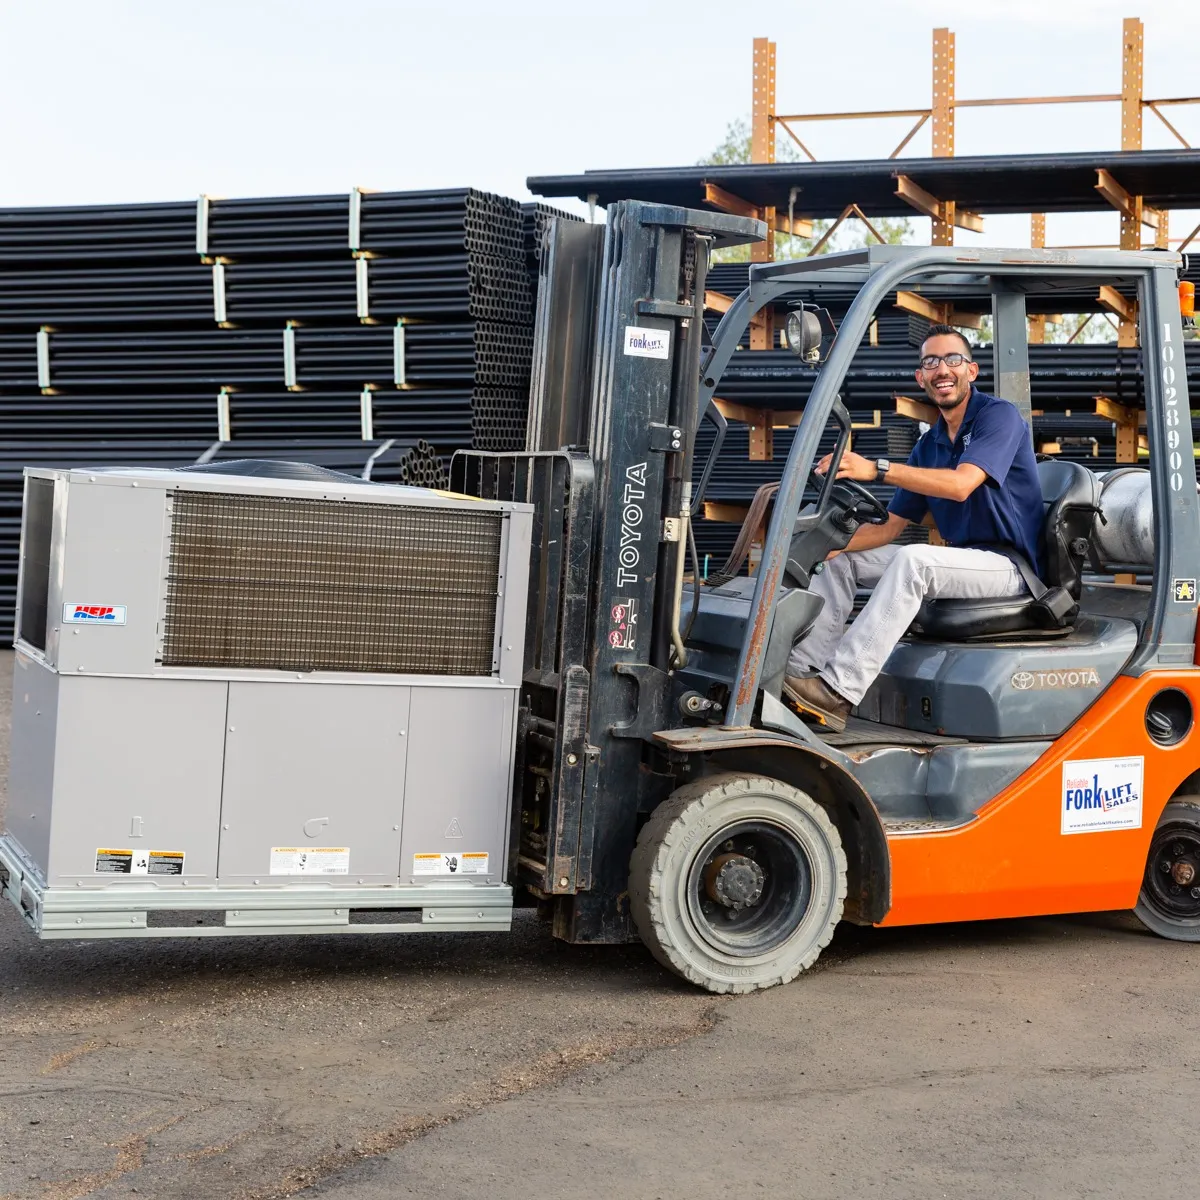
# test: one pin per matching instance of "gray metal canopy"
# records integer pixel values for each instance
(998, 183)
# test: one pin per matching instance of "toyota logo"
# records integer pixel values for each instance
(1023, 681)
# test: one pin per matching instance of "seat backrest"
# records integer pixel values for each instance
(1071, 495)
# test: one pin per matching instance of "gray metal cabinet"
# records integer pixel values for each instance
(313, 770)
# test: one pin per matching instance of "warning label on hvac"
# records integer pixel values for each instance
(139, 862)
(310, 860)
(450, 863)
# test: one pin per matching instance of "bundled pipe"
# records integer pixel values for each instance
(536, 219)
(410, 356)
(98, 233)
(422, 466)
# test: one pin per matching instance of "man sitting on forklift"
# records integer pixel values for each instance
(974, 471)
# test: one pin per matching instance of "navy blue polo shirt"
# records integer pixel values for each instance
(1007, 506)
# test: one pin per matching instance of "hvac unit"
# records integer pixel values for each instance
(250, 704)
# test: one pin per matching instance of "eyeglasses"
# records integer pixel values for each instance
(930, 361)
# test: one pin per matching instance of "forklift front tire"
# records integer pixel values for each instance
(737, 882)
(1169, 902)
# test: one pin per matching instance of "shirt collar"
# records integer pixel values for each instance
(974, 404)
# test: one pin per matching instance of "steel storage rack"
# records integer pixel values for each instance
(257, 702)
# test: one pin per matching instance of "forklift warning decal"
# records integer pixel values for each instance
(1102, 794)
(623, 634)
(451, 863)
(139, 862)
(647, 343)
(310, 860)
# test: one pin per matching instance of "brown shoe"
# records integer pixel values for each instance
(812, 694)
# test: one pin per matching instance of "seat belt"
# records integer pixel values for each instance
(1052, 606)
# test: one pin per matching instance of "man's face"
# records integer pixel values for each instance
(946, 386)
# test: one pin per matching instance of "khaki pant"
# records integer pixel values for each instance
(902, 576)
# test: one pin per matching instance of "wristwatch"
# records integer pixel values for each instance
(882, 467)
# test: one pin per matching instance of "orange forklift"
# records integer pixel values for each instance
(1014, 758)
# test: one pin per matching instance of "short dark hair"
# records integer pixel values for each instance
(949, 331)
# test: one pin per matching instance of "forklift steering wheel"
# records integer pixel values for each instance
(877, 514)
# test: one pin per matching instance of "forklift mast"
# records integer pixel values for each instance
(613, 509)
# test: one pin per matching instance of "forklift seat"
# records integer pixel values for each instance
(1071, 496)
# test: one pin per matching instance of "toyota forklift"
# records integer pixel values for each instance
(1016, 757)
(342, 707)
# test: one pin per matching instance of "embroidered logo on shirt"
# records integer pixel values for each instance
(966, 439)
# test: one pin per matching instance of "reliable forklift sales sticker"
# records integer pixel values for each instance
(139, 862)
(647, 343)
(451, 863)
(310, 860)
(1102, 794)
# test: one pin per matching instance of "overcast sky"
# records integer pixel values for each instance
(126, 100)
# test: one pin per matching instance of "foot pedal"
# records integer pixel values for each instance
(803, 711)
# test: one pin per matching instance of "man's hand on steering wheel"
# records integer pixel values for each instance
(853, 466)
(876, 511)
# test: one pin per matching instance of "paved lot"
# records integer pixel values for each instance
(1047, 1058)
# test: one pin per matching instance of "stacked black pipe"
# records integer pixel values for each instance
(365, 331)
(422, 466)
(536, 219)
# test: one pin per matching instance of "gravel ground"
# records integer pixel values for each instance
(1054, 1058)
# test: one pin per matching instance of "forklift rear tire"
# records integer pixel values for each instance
(737, 882)
(1169, 902)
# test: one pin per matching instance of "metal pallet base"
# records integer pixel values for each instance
(140, 910)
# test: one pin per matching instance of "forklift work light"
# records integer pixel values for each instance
(803, 333)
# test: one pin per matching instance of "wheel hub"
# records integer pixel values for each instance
(1183, 873)
(749, 888)
(735, 881)
(1172, 884)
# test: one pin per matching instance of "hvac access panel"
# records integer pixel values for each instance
(458, 785)
(133, 767)
(115, 540)
(314, 783)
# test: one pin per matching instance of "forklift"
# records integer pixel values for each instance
(347, 707)
(1002, 765)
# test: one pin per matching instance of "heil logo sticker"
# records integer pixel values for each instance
(1102, 794)
(647, 343)
(93, 614)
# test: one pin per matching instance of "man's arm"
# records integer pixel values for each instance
(944, 484)
(941, 483)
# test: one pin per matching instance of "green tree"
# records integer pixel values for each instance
(1081, 329)
(735, 148)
